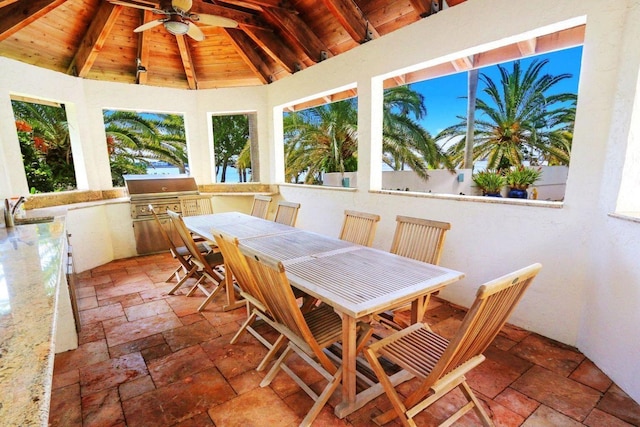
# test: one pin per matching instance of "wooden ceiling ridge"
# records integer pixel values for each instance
(274, 38)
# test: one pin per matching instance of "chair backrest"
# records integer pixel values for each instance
(494, 303)
(287, 213)
(187, 239)
(260, 206)
(419, 239)
(195, 205)
(281, 302)
(237, 262)
(359, 227)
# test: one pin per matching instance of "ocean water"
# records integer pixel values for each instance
(232, 173)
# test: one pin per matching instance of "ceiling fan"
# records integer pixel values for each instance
(177, 19)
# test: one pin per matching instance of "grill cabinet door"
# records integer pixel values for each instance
(148, 237)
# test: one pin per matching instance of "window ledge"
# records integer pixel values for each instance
(46, 200)
(626, 216)
(476, 199)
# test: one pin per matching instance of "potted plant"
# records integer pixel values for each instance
(519, 179)
(490, 182)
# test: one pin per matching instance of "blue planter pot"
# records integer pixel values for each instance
(493, 194)
(516, 193)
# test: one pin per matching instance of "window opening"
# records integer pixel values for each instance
(524, 116)
(235, 151)
(142, 143)
(321, 141)
(45, 143)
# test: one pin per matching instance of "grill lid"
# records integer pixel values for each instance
(152, 185)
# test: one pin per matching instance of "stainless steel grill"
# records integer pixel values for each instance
(162, 192)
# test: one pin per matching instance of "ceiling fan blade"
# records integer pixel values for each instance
(184, 5)
(136, 5)
(149, 25)
(214, 20)
(195, 32)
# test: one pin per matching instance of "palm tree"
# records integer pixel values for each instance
(243, 162)
(519, 120)
(47, 147)
(133, 140)
(324, 139)
(404, 141)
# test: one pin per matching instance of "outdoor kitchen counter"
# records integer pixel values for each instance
(34, 311)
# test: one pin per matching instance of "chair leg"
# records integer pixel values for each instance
(211, 296)
(196, 286)
(184, 279)
(275, 347)
(322, 399)
(477, 406)
(247, 323)
(398, 407)
(276, 367)
(174, 274)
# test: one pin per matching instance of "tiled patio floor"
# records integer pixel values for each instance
(150, 359)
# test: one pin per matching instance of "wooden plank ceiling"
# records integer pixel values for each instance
(94, 39)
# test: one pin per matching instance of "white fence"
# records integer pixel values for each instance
(551, 185)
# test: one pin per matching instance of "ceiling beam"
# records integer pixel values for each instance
(255, 4)
(463, 64)
(247, 51)
(352, 19)
(275, 48)
(18, 15)
(94, 39)
(425, 8)
(187, 62)
(300, 33)
(4, 3)
(144, 50)
(527, 47)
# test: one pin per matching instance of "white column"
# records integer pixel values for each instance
(370, 97)
(13, 181)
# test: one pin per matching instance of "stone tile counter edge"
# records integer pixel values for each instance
(35, 318)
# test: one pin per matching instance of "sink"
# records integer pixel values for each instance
(33, 220)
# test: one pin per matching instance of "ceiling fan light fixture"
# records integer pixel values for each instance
(177, 26)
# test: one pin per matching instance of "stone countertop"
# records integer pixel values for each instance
(31, 259)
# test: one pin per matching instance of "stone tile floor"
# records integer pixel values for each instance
(150, 359)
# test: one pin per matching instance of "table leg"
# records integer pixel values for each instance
(419, 308)
(348, 366)
(232, 302)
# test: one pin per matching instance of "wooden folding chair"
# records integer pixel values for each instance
(308, 334)
(260, 207)
(441, 364)
(249, 290)
(205, 263)
(359, 227)
(181, 253)
(195, 205)
(422, 240)
(287, 213)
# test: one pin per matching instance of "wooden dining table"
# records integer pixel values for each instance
(357, 281)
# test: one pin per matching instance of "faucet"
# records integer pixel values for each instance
(10, 211)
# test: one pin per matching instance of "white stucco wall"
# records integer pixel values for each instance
(588, 293)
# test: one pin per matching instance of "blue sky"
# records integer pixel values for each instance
(445, 96)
